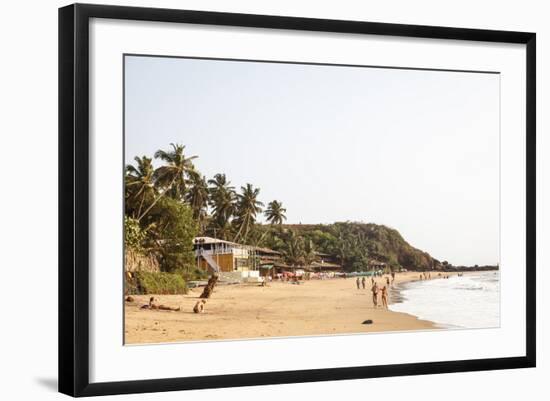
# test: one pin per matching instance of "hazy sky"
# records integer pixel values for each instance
(414, 150)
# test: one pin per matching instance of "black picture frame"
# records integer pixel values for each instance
(74, 199)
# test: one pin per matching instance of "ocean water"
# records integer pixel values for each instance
(470, 301)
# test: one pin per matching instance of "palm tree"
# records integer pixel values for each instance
(248, 206)
(342, 249)
(197, 197)
(222, 201)
(309, 253)
(139, 182)
(294, 249)
(172, 177)
(275, 212)
(223, 231)
(361, 245)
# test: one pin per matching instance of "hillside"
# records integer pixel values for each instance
(355, 244)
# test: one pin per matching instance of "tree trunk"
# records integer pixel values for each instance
(157, 199)
(209, 289)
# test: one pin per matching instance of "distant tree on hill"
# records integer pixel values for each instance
(275, 212)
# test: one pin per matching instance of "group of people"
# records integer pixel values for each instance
(376, 290)
(428, 276)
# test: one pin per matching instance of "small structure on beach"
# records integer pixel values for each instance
(322, 266)
(325, 263)
(375, 265)
(218, 255)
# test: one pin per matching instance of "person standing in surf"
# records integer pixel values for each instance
(374, 290)
(384, 292)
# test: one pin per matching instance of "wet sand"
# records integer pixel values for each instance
(281, 309)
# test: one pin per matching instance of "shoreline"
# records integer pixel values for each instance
(279, 310)
(433, 302)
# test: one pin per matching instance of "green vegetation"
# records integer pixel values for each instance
(159, 222)
(352, 245)
(167, 206)
(155, 283)
(275, 212)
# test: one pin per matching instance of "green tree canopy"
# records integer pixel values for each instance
(275, 212)
(172, 237)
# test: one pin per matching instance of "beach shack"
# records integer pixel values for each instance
(323, 266)
(325, 262)
(376, 266)
(217, 255)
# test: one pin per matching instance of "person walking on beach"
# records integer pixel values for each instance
(384, 292)
(374, 290)
(358, 282)
(363, 281)
(388, 281)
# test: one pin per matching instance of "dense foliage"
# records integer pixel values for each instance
(167, 206)
(171, 230)
(155, 283)
(353, 245)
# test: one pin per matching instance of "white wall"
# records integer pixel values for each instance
(28, 201)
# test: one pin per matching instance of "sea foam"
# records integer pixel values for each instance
(470, 301)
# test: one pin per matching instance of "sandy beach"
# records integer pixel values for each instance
(281, 309)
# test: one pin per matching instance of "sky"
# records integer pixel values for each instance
(414, 150)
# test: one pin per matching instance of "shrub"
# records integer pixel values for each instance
(192, 273)
(155, 283)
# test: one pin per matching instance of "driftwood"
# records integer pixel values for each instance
(209, 289)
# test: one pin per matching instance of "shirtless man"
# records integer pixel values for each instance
(374, 290)
(358, 282)
(153, 305)
(363, 281)
(384, 292)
